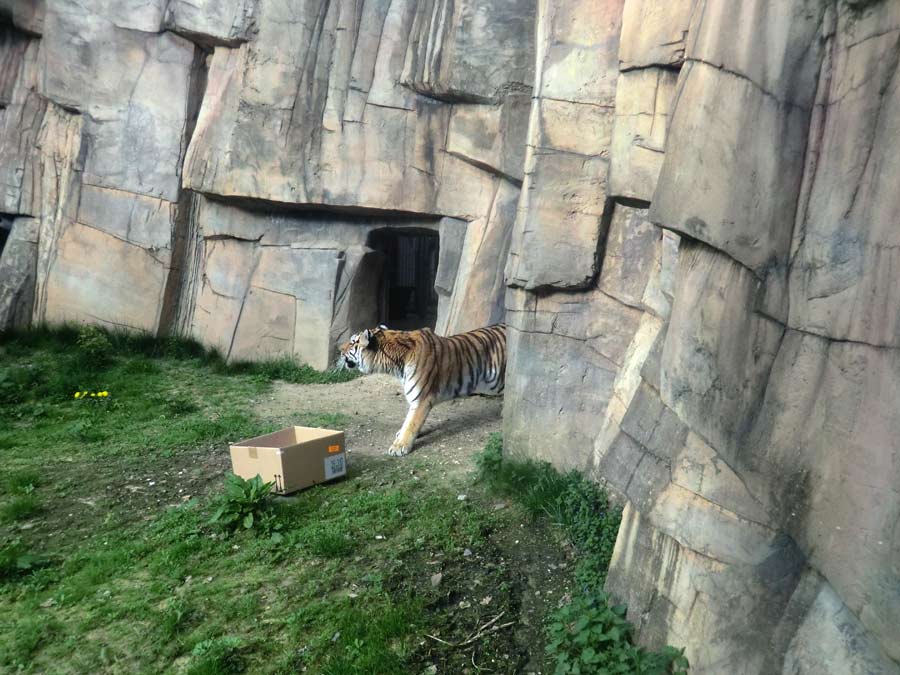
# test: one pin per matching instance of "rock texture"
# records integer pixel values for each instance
(719, 345)
(686, 212)
(216, 169)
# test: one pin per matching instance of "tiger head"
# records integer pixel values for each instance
(361, 351)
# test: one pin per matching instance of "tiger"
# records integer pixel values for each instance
(431, 368)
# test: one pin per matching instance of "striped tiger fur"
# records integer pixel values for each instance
(432, 368)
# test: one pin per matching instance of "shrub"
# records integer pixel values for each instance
(244, 504)
(589, 635)
(94, 345)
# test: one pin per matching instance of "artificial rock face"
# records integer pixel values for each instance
(710, 348)
(219, 169)
(686, 212)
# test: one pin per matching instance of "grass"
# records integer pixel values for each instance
(581, 508)
(176, 589)
(109, 561)
(588, 635)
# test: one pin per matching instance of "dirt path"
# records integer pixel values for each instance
(376, 409)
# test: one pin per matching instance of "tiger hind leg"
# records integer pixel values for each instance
(406, 437)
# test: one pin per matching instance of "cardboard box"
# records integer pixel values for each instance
(293, 458)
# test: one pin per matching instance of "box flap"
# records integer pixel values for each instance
(286, 438)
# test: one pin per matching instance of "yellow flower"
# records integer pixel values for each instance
(93, 395)
(77, 394)
(104, 394)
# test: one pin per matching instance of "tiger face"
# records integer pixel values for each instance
(360, 350)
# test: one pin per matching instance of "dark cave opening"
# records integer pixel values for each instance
(406, 297)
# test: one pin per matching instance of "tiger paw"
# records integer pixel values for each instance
(399, 449)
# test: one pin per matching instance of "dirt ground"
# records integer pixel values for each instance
(376, 408)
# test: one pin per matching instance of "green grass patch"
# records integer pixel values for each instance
(112, 559)
(106, 565)
(21, 482)
(69, 388)
(588, 635)
(20, 507)
(337, 587)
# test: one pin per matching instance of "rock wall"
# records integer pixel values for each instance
(686, 210)
(718, 341)
(216, 169)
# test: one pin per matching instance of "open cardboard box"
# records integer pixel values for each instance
(293, 458)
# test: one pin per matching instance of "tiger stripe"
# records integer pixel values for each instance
(431, 368)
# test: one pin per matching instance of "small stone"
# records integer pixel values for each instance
(436, 579)
(336, 636)
(461, 498)
(468, 552)
(486, 600)
(464, 604)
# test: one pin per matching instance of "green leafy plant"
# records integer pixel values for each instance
(591, 523)
(244, 504)
(589, 635)
(94, 345)
(217, 656)
(16, 560)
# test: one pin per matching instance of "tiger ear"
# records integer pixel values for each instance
(381, 326)
(364, 337)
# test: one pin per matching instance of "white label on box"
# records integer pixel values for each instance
(335, 466)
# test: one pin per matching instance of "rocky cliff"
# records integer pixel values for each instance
(687, 212)
(216, 169)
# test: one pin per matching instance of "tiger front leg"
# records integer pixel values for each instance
(403, 441)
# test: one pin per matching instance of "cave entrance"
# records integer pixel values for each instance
(406, 296)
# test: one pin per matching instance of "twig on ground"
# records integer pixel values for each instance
(450, 644)
(486, 629)
(487, 632)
